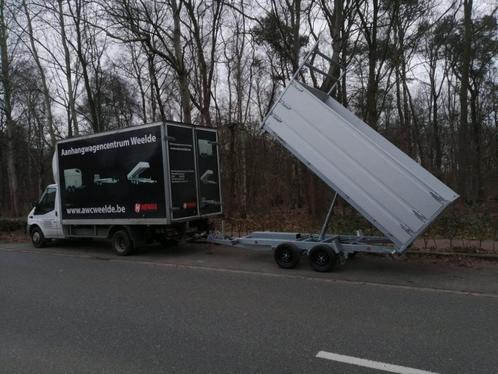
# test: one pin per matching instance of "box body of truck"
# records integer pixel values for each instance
(150, 177)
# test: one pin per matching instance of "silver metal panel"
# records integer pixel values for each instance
(391, 190)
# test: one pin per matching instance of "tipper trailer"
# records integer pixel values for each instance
(392, 191)
(154, 186)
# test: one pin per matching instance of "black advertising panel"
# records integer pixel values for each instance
(208, 172)
(117, 176)
(182, 171)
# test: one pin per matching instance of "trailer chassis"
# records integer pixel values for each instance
(325, 251)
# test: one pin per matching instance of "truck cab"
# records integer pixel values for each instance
(45, 224)
(44, 219)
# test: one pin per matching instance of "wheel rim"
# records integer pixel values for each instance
(121, 243)
(286, 256)
(36, 237)
(321, 258)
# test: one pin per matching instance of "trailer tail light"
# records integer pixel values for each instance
(190, 205)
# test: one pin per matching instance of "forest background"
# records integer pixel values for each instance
(422, 73)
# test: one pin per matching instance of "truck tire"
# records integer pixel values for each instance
(323, 258)
(37, 238)
(122, 243)
(287, 255)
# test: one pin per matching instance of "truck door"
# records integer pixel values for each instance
(45, 214)
(183, 186)
(208, 172)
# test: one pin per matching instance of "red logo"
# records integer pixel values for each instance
(145, 207)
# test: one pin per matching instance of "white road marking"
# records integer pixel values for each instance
(371, 364)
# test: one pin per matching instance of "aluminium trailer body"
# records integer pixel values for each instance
(392, 191)
(143, 180)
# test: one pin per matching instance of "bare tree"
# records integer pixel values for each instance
(7, 110)
(72, 117)
(464, 88)
(41, 71)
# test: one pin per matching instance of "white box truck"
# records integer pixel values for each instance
(155, 186)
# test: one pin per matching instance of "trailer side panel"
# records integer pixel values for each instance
(392, 191)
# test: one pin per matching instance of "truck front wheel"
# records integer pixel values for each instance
(37, 237)
(121, 243)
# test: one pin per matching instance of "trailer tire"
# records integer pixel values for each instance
(37, 237)
(122, 243)
(287, 255)
(323, 258)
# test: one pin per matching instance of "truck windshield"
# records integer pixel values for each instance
(47, 202)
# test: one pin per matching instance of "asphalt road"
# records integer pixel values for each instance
(78, 309)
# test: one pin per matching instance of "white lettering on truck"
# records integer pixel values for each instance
(134, 140)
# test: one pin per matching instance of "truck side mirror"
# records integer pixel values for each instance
(34, 204)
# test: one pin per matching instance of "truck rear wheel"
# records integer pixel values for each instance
(323, 258)
(37, 237)
(287, 255)
(122, 243)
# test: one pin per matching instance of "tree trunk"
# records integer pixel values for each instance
(41, 71)
(152, 77)
(336, 25)
(372, 84)
(436, 133)
(477, 187)
(92, 104)
(72, 119)
(464, 87)
(155, 87)
(205, 68)
(181, 69)
(7, 104)
(138, 76)
(295, 11)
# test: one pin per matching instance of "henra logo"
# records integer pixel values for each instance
(145, 207)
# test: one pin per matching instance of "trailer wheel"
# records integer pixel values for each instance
(323, 258)
(121, 243)
(37, 238)
(287, 255)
